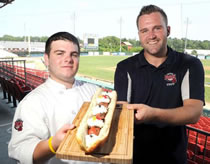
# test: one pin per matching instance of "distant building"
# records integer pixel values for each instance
(16, 46)
(201, 54)
(129, 45)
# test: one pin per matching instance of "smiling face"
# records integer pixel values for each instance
(153, 33)
(63, 61)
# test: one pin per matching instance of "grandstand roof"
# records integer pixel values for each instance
(35, 46)
(4, 54)
(5, 2)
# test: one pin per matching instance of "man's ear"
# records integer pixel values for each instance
(168, 30)
(46, 59)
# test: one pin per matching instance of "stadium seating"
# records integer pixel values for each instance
(15, 89)
(3, 87)
(20, 89)
(6, 90)
(17, 81)
(199, 141)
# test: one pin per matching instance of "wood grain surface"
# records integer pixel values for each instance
(117, 149)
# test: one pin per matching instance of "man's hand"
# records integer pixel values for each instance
(143, 113)
(189, 113)
(42, 151)
(60, 134)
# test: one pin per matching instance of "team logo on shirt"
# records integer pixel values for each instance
(18, 125)
(170, 78)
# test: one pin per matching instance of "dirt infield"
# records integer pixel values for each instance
(207, 68)
(109, 69)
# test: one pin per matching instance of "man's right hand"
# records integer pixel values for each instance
(60, 134)
(42, 151)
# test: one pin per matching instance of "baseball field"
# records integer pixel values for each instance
(103, 68)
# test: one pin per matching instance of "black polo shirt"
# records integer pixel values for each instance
(180, 77)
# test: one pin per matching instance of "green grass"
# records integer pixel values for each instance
(207, 80)
(103, 67)
(207, 94)
(207, 72)
(205, 62)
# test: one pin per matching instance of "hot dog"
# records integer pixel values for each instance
(94, 128)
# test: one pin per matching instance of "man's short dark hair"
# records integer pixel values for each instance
(60, 36)
(151, 9)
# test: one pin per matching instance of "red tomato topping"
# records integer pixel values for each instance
(94, 130)
(100, 116)
(107, 90)
(105, 96)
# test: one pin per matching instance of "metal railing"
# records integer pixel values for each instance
(16, 69)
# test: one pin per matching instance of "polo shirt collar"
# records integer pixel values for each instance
(143, 62)
(171, 57)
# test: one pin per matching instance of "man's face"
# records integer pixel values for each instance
(153, 33)
(63, 61)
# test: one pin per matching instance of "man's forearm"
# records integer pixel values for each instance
(189, 113)
(42, 152)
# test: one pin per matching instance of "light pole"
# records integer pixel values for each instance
(110, 47)
(185, 44)
(74, 23)
(120, 33)
(73, 17)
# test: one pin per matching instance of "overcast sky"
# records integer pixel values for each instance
(101, 17)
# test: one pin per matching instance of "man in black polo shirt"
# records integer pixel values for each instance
(166, 90)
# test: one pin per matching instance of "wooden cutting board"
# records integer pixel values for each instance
(117, 149)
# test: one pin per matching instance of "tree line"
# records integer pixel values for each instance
(112, 43)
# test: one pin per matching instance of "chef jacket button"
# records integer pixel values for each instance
(73, 112)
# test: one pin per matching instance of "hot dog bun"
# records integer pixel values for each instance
(87, 142)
